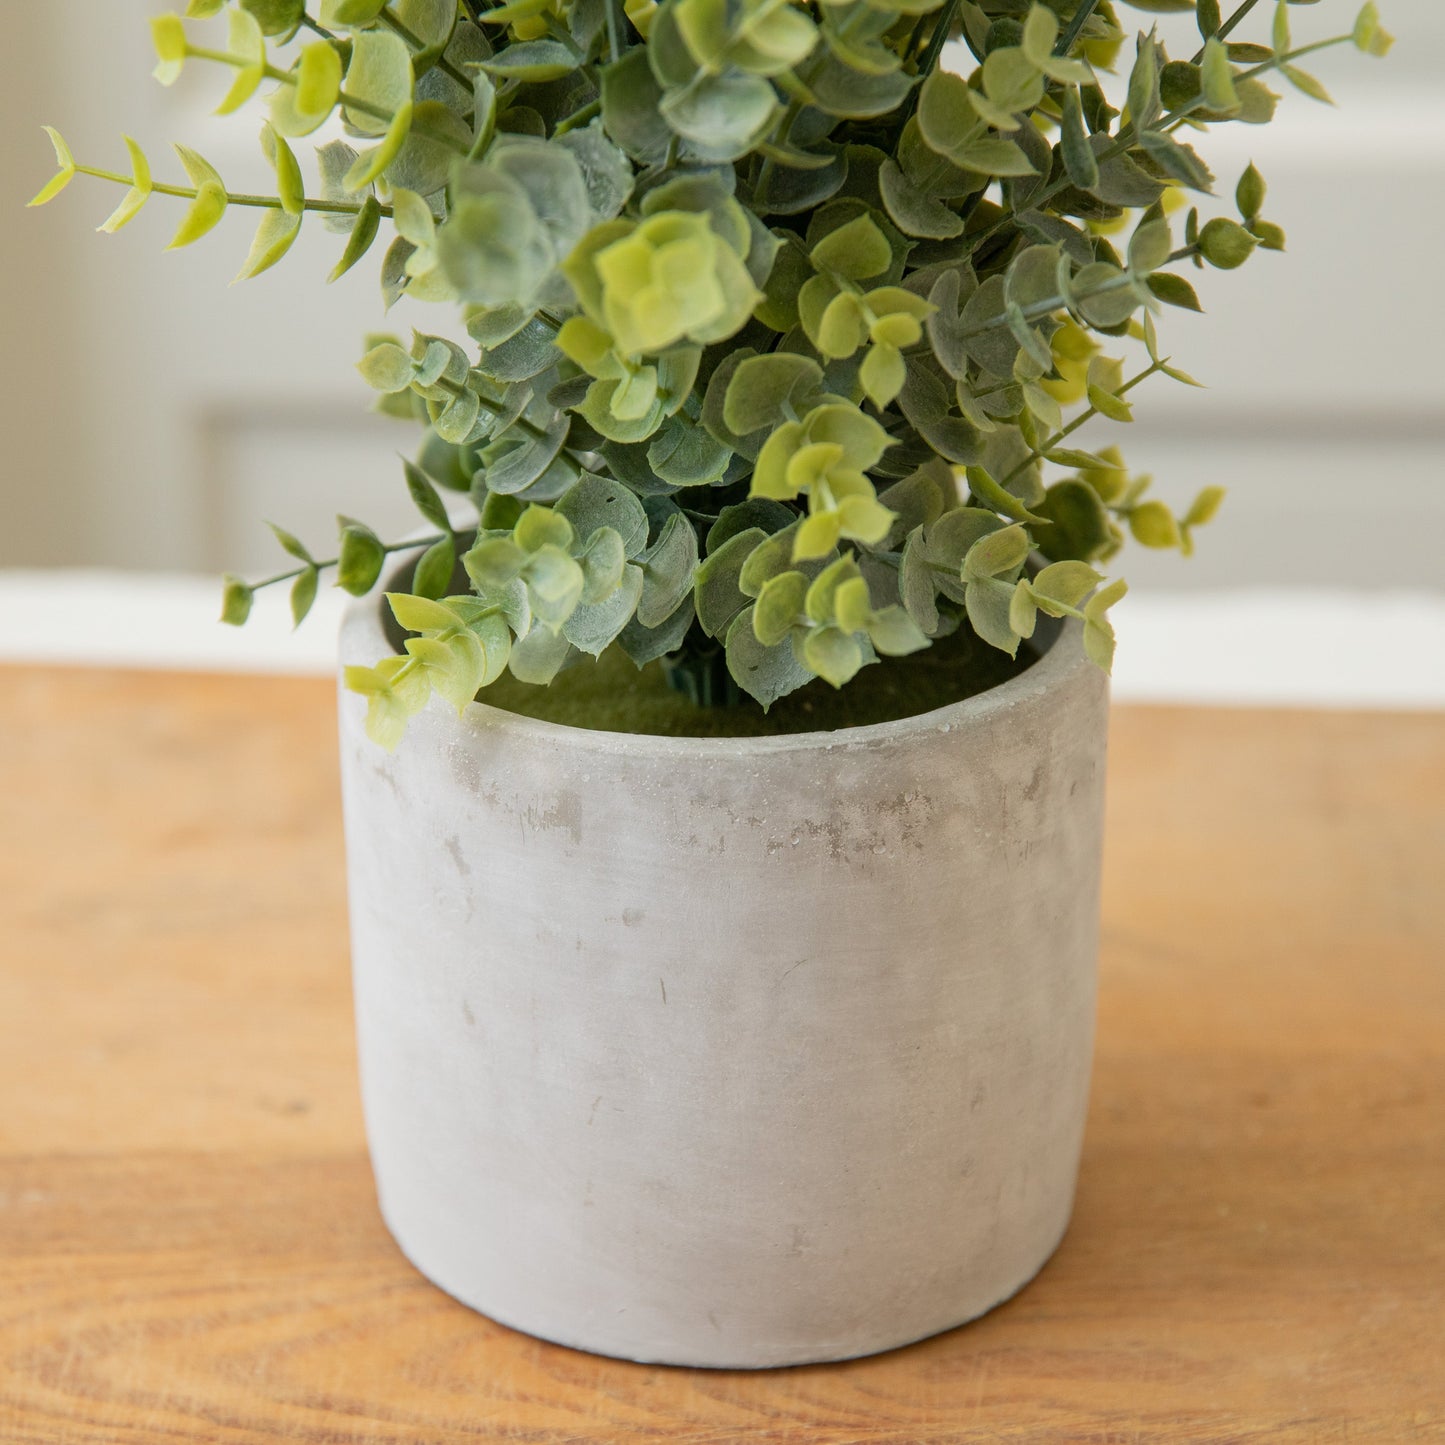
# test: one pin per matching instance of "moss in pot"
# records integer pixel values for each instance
(766, 344)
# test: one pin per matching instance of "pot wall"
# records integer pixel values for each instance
(729, 1053)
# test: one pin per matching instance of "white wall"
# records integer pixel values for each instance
(153, 416)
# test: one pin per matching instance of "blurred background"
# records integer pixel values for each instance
(154, 417)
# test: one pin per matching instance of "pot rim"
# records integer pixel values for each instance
(363, 640)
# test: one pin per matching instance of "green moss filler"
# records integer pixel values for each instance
(612, 695)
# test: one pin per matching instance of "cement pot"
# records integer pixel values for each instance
(731, 1053)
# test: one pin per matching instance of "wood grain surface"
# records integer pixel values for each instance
(189, 1243)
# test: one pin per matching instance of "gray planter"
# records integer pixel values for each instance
(729, 1052)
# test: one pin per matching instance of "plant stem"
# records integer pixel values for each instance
(1084, 416)
(388, 548)
(414, 41)
(520, 422)
(781, 133)
(351, 102)
(614, 31)
(1127, 135)
(937, 40)
(1081, 18)
(578, 117)
(189, 193)
(1225, 28)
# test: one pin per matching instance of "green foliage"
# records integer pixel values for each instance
(778, 335)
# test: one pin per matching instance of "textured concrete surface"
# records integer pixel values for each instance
(739, 1053)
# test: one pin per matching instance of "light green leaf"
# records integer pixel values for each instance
(538, 657)
(602, 560)
(387, 368)
(371, 164)
(533, 61)
(169, 37)
(343, 14)
(540, 527)
(66, 174)
(995, 497)
(1174, 290)
(1217, 78)
(455, 665)
(601, 502)
(433, 574)
(1279, 37)
(1306, 84)
(277, 17)
(779, 607)
(137, 196)
(245, 42)
(203, 215)
(1109, 405)
(1204, 507)
(1066, 583)
(894, 633)
(290, 187)
(358, 243)
(236, 599)
(424, 495)
(997, 553)
(1225, 243)
(1149, 246)
(421, 614)
(855, 251)
(380, 77)
(1249, 194)
(762, 386)
(1153, 524)
(1080, 162)
(360, 559)
(989, 604)
(717, 592)
(303, 594)
(274, 238)
(835, 655)
(1368, 35)
(300, 105)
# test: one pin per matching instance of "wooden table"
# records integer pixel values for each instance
(189, 1243)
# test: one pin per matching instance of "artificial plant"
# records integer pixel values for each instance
(779, 331)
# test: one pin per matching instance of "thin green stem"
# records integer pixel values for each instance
(397, 27)
(322, 566)
(781, 133)
(351, 102)
(937, 40)
(269, 203)
(1039, 453)
(578, 117)
(614, 31)
(1227, 27)
(521, 422)
(929, 58)
(1128, 135)
(1177, 118)
(1081, 18)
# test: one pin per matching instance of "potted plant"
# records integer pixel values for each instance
(723, 788)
